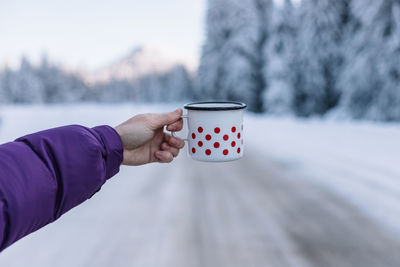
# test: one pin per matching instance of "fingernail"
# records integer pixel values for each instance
(157, 155)
(171, 128)
(174, 141)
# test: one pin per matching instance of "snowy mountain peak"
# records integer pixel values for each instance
(140, 61)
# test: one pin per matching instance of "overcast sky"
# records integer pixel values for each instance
(90, 33)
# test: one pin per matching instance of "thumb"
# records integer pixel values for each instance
(167, 118)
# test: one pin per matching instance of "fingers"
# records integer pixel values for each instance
(176, 126)
(173, 150)
(159, 120)
(169, 149)
(164, 156)
(174, 141)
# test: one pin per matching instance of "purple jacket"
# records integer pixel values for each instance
(44, 175)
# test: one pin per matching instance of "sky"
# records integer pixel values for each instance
(88, 34)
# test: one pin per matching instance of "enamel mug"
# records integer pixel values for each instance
(215, 130)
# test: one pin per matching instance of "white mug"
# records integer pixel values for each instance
(215, 130)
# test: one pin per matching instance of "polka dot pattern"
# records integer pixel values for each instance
(218, 140)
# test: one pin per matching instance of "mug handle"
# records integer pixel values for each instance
(173, 133)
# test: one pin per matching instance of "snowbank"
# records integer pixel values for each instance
(359, 160)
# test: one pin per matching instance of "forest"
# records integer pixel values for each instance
(306, 58)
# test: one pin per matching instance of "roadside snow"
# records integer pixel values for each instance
(359, 160)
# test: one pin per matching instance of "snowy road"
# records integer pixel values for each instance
(286, 208)
(241, 213)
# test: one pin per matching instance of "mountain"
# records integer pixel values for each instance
(140, 61)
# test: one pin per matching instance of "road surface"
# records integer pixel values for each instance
(252, 212)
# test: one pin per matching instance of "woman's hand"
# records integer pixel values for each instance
(144, 140)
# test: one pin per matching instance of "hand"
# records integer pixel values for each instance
(144, 140)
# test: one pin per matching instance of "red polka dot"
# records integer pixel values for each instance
(193, 135)
(208, 137)
(208, 152)
(217, 130)
(200, 129)
(238, 135)
(193, 150)
(226, 137)
(238, 150)
(225, 152)
(200, 144)
(216, 145)
(233, 143)
(233, 129)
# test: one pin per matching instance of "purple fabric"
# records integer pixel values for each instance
(43, 175)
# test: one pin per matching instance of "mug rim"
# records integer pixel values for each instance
(235, 106)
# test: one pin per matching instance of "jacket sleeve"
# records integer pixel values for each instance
(43, 175)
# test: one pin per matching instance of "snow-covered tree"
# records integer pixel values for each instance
(177, 84)
(253, 48)
(6, 80)
(59, 86)
(221, 26)
(3, 92)
(282, 50)
(324, 29)
(113, 91)
(24, 85)
(371, 81)
(233, 63)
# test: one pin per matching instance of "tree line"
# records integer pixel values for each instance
(50, 83)
(312, 57)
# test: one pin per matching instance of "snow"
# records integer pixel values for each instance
(359, 160)
(139, 62)
(65, 249)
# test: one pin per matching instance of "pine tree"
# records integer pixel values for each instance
(3, 94)
(371, 81)
(233, 64)
(59, 86)
(177, 84)
(282, 51)
(324, 27)
(24, 85)
(254, 51)
(221, 27)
